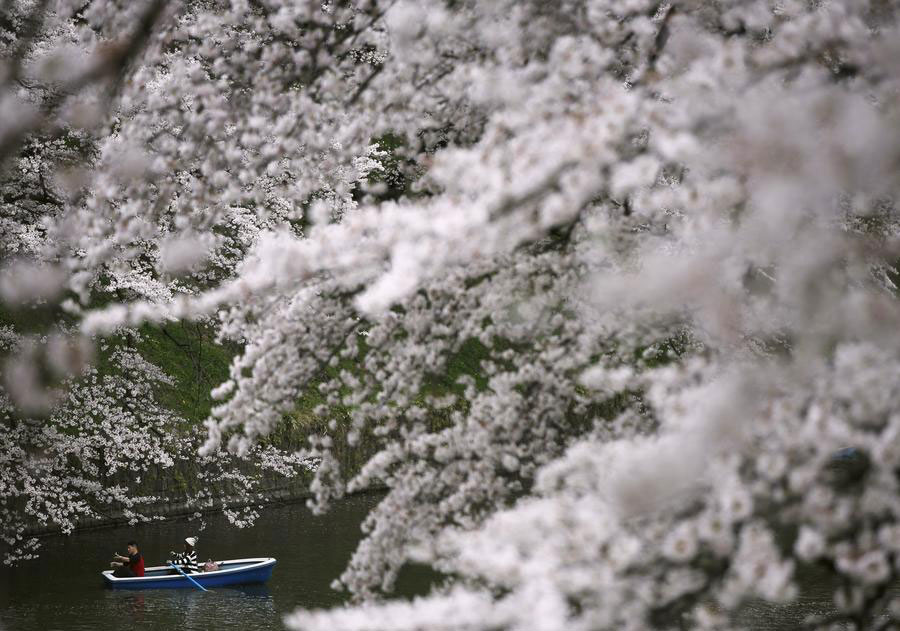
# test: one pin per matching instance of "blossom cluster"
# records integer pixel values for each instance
(609, 284)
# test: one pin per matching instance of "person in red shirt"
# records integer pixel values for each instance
(130, 566)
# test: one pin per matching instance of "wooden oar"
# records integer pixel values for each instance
(188, 577)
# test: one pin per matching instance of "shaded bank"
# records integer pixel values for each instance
(178, 491)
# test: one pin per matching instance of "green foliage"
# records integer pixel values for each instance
(398, 170)
(188, 353)
(465, 361)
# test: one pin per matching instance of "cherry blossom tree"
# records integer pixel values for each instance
(81, 424)
(105, 432)
(652, 244)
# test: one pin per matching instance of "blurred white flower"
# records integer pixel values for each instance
(681, 544)
(810, 544)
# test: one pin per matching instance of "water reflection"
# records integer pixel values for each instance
(246, 606)
(253, 591)
(136, 608)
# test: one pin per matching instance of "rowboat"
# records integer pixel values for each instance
(233, 572)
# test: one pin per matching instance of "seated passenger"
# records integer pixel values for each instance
(187, 560)
(130, 566)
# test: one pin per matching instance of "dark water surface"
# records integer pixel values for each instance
(63, 589)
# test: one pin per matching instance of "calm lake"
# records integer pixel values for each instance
(63, 589)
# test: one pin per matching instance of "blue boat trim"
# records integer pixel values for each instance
(232, 572)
